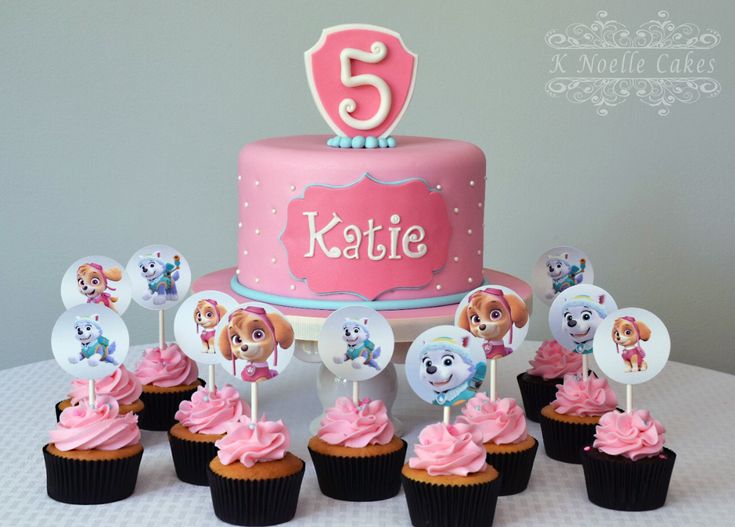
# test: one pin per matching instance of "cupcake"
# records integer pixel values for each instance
(356, 455)
(168, 377)
(627, 467)
(202, 421)
(548, 368)
(448, 482)
(122, 386)
(93, 454)
(568, 423)
(510, 449)
(253, 479)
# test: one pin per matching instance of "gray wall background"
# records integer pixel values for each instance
(102, 104)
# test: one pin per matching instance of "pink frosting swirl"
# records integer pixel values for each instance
(166, 367)
(122, 385)
(81, 427)
(501, 422)
(577, 397)
(356, 426)
(449, 450)
(209, 413)
(250, 443)
(553, 361)
(634, 435)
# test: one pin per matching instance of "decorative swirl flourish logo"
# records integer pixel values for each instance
(660, 62)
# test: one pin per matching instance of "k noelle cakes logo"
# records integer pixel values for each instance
(660, 63)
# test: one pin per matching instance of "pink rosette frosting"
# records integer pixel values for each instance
(554, 361)
(166, 367)
(81, 427)
(122, 385)
(634, 435)
(577, 397)
(209, 413)
(501, 422)
(356, 426)
(249, 442)
(449, 450)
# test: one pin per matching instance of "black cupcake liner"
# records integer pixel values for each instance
(536, 393)
(616, 482)
(515, 469)
(191, 459)
(372, 478)
(161, 407)
(431, 505)
(255, 502)
(82, 482)
(565, 441)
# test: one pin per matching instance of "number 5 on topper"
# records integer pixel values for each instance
(361, 78)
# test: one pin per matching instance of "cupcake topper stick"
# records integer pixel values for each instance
(631, 346)
(254, 402)
(161, 331)
(92, 393)
(585, 367)
(493, 379)
(210, 378)
(447, 414)
(356, 392)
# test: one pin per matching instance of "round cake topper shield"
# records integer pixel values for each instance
(356, 343)
(445, 365)
(632, 345)
(496, 316)
(254, 341)
(576, 313)
(160, 276)
(558, 269)
(89, 341)
(196, 323)
(96, 280)
(362, 78)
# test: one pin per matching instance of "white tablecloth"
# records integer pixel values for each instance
(694, 404)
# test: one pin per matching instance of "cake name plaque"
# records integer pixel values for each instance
(397, 239)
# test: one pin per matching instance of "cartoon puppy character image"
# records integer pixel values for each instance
(253, 335)
(446, 366)
(93, 282)
(95, 347)
(207, 315)
(360, 349)
(161, 277)
(581, 315)
(562, 273)
(628, 333)
(490, 315)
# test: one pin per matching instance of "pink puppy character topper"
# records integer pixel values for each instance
(362, 78)
(254, 342)
(356, 343)
(558, 269)
(160, 276)
(90, 342)
(632, 345)
(576, 315)
(495, 315)
(96, 280)
(196, 321)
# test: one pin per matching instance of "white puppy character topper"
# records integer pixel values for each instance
(161, 277)
(563, 274)
(581, 316)
(447, 367)
(95, 347)
(360, 349)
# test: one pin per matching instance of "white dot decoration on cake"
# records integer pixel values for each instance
(470, 280)
(257, 280)
(456, 210)
(472, 182)
(438, 187)
(479, 252)
(246, 204)
(257, 232)
(469, 231)
(273, 260)
(245, 252)
(438, 287)
(292, 287)
(237, 271)
(239, 177)
(257, 182)
(239, 225)
(293, 188)
(479, 204)
(273, 210)
(456, 258)
(395, 219)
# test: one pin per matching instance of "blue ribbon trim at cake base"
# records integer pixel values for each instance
(385, 305)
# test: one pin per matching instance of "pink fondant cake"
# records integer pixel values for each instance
(396, 227)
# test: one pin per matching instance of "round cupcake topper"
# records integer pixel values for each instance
(558, 269)
(196, 323)
(496, 316)
(356, 343)
(255, 342)
(632, 345)
(160, 276)
(89, 341)
(576, 313)
(97, 280)
(445, 365)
